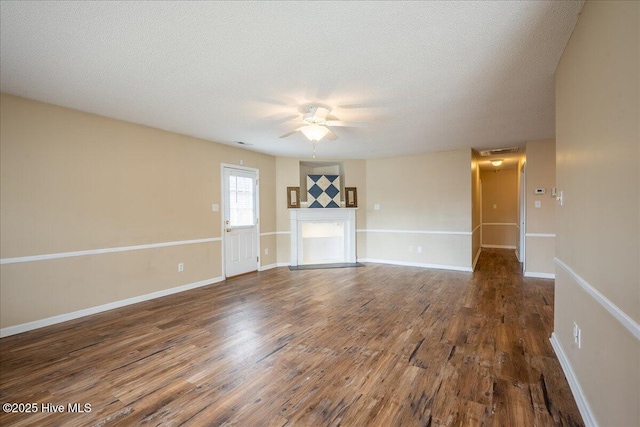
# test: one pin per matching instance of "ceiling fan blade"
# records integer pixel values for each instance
(346, 124)
(283, 119)
(332, 136)
(319, 112)
(373, 103)
(289, 133)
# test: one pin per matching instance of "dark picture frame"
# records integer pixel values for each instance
(351, 197)
(293, 197)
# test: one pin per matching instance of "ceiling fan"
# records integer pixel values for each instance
(316, 126)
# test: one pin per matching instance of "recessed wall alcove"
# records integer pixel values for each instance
(320, 168)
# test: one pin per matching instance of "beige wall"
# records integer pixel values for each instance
(419, 195)
(356, 176)
(540, 225)
(287, 175)
(439, 200)
(598, 226)
(499, 224)
(72, 181)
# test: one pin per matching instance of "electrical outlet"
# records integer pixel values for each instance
(419, 249)
(180, 267)
(495, 206)
(410, 248)
(266, 251)
(376, 207)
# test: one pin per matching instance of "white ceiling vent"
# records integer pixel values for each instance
(499, 151)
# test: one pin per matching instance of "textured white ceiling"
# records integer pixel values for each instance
(428, 76)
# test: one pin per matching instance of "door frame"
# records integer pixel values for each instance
(522, 250)
(481, 207)
(223, 207)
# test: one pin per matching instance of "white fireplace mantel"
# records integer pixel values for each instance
(344, 216)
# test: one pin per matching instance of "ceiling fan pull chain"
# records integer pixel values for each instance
(314, 149)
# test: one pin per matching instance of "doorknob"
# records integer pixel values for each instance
(228, 229)
(227, 222)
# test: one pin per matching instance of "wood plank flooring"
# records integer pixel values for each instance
(374, 346)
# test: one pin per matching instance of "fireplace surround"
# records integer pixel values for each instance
(323, 236)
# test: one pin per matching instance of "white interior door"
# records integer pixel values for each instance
(240, 220)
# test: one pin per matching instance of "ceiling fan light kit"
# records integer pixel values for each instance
(314, 132)
(316, 126)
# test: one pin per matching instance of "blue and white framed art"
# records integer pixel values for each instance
(323, 191)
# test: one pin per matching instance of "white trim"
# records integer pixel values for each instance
(615, 311)
(500, 223)
(539, 235)
(369, 230)
(522, 217)
(416, 264)
(477, 226)
(272, 233)
(518, 255)
(475, 260)
(36, 324)
(274, 265)
(498, 246)
(579, 396)
(539, 275)
(105, 251)
(299, 217)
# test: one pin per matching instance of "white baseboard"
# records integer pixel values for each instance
(416, 264)
(518, 256)
(539, 275)
(36, 324)
(581, 400)
(270, 266)
(475, 260)
(498, 246)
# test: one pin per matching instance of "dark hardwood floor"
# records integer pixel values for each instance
(374, 346)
